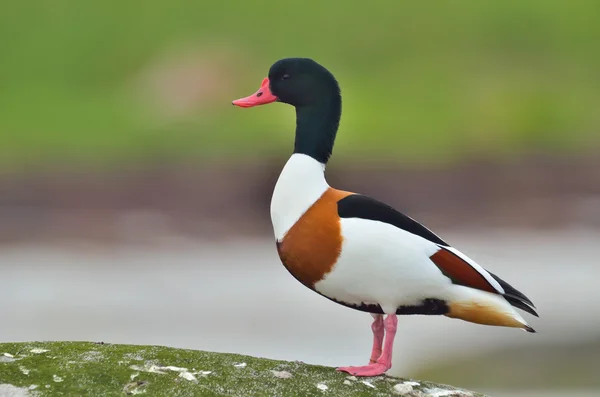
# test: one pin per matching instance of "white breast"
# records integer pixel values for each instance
(300, 184)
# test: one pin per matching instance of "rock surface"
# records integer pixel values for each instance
(98, 369)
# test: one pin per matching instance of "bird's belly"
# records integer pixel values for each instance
(392, 272)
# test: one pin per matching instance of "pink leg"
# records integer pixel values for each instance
(378, 334)
(384, 362)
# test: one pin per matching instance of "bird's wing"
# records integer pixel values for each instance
(455, 265)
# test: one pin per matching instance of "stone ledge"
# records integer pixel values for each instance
(98, 369)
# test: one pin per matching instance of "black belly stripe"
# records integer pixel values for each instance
(428, 307)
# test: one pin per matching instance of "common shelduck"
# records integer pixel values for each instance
(360, 252)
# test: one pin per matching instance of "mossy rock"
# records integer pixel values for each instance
(99, 369)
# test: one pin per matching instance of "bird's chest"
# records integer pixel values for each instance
(310, 249)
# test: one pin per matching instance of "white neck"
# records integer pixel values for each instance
(300, 184)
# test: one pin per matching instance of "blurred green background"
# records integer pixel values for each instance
(113, 82)
(120, 149)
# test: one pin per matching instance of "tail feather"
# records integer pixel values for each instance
(529, 329)
(485, 308)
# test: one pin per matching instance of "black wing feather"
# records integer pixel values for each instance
(359, 206)
(515, 297)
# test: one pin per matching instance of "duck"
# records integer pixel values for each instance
(356, 250)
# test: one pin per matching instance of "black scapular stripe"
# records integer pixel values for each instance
(364, 207)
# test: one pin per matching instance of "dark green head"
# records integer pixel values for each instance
(314, 92)
(302, 82)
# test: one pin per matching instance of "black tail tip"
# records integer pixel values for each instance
(529, 329)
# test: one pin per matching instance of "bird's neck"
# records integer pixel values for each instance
(316, 127)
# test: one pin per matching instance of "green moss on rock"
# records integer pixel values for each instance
(96, 369)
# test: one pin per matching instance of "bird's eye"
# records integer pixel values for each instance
(285, 77)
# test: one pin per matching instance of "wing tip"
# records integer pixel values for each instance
(529, 308)
(521, 304)
(516, 297)
(533, 312)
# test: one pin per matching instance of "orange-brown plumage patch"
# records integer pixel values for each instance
(482, 313)
(460, 271)
(311, 248)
